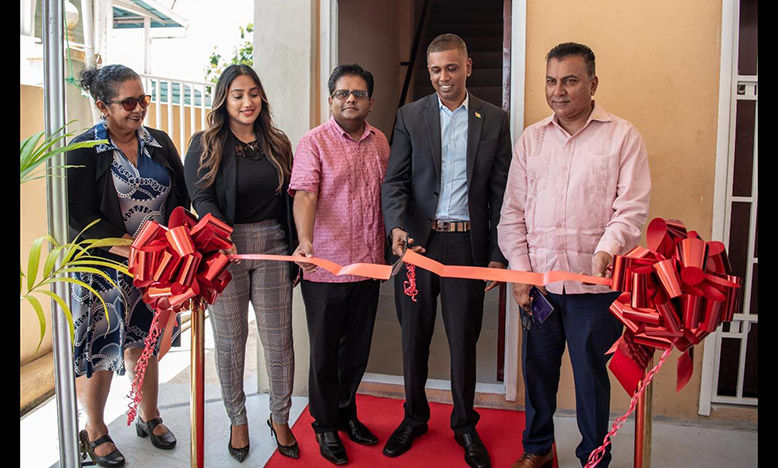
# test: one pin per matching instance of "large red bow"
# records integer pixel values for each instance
(172, 265)
(674, 293)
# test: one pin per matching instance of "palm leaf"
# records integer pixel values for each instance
(41, 318)
(33, 260)
(33, 153)
(83, 285)
(84, 269)
(63, 305)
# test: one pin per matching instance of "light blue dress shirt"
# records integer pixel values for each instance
(452, 204)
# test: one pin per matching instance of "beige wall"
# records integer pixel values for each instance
(658, 67)
(33, 220)
(387, 24)
(32, 224)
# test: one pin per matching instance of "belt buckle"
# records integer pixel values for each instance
(441, 226)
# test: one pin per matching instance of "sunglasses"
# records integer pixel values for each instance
(343, 94)
(130, 103)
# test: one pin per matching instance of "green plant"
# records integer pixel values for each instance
(63, 259)
(241, 55)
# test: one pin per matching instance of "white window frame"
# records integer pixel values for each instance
(722, 201)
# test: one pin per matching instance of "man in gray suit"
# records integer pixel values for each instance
(442, 196)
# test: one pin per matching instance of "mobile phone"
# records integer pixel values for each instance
(541, 307)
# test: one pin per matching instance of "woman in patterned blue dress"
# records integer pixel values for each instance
(136, 177)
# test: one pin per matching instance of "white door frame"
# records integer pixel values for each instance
(328, 40)
(729, 20)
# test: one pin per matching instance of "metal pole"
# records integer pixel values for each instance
(56, 195)
(197, 390)
(87, 21)
(643, 425)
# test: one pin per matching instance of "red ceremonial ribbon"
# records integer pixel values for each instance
(172, 265)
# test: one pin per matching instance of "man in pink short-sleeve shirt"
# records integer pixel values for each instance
(336, 180)
(577, 195)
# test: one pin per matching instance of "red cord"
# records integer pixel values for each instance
(136, 392)
(410, 285)
(596, 456)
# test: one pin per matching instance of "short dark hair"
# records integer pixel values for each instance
(567, 49)
(447, 41)
(103, 83)
(350, 70)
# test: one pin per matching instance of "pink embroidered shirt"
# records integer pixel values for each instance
(568, 197)
(346, 175)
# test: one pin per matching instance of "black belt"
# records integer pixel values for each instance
(450, 226)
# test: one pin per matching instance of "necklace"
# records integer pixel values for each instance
(251, 150)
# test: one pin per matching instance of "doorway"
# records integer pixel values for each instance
(379, 36)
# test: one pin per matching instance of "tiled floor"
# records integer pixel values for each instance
(674, 445)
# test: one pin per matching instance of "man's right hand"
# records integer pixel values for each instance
(521, 294)
(399, 239)
(305, 249)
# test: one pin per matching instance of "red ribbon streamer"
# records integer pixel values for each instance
(172, 265)
(409, 286)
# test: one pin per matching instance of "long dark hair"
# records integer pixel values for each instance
(275, 143)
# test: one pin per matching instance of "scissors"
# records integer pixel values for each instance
(399, 263)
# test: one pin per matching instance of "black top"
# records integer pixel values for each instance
(221, 197)
(92, 194)
(257, 183)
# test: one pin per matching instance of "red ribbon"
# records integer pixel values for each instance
(674, 293)
(172, 265)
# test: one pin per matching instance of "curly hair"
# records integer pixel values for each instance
(103, 83)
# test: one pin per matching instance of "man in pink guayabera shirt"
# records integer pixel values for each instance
(577, 195)
(336, 180)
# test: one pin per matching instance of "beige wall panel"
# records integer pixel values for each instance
(32, 224)
(658, 67)
(380, 55)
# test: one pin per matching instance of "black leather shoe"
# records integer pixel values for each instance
(239, 454)
(400, 440)
(114, 459)
(166, 441)
(358, 432)
(476, 455)
(331, 447)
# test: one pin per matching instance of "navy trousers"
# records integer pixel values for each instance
(589, 329)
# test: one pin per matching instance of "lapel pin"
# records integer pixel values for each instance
(477, 115)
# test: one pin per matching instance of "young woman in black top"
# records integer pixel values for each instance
(238, 170)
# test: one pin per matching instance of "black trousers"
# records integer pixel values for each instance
(589, 329)
(462, 305)
(340, 327)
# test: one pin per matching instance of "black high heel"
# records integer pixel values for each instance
(291, 451)
(239, 454)
(112, 460)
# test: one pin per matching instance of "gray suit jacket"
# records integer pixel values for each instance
(409, 195)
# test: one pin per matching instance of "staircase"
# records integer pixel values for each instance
(480, 25)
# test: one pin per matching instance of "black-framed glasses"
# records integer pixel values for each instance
(130, 103)
(344, 93)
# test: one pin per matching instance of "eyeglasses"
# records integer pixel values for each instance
(344, 93)
(130, 103)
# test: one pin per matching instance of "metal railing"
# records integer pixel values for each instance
(190, 97)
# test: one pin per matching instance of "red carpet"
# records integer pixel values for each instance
(500, 431)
